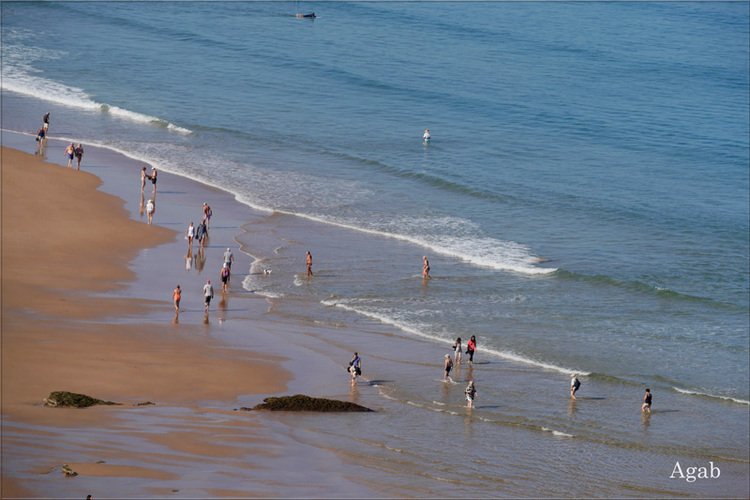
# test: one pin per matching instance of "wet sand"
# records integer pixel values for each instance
(66, 249)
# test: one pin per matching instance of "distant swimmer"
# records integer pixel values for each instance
(70, 152)
(646, 402)
(471, 393)
(471, 346)
(426, 136)
(448, 368)
(426, 268)
(310, 15)
(309, 264)
(575, 384)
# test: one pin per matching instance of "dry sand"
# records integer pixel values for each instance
(64, 244)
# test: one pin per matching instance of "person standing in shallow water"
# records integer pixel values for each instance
(457, 351)
(309, 264)
(426, 268)
(355, 367)
(176, 294)
(471, 346)
(448, 367)
(646, 402)
(144, 176)
(575, 384)
(471, 393)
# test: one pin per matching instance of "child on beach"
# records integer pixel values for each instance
(448, 367)
(471, 393)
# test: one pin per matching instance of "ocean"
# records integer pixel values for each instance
(583, 203)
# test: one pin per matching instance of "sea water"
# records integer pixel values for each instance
(583, 201)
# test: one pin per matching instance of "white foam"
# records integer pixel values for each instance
(20, 77)
(557, 433)
(698, 393)
(415, 330)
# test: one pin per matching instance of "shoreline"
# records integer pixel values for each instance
(312, 352)
(75, 321)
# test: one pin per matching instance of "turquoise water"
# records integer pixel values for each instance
(583, 201)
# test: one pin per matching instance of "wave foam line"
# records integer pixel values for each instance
(517, 358)
(522, 265)
(557, 433)
(698, 393)
(58, 93)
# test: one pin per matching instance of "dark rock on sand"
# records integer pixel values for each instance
(65, 398)
(300, 402)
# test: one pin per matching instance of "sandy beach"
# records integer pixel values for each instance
(65, 246)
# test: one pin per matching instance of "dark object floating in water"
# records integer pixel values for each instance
(311, 15)
(300, 402)
(65, 398)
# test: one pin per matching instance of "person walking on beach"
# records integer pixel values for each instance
(176, 298)
(45, 123)
(153, 178)
(150, 211)
(229, 258)
(355, 367)
(144, 176)
(646, 402)
(575, 384)
(189, 234)
(457, 351)
(471, 346)
(201, 234)
(224, 277)
(448, 368)
(79, 155)
(70, 152)
(426, 269)
(208, 293)
(309, 264)
(471, 393)
(207, 213)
